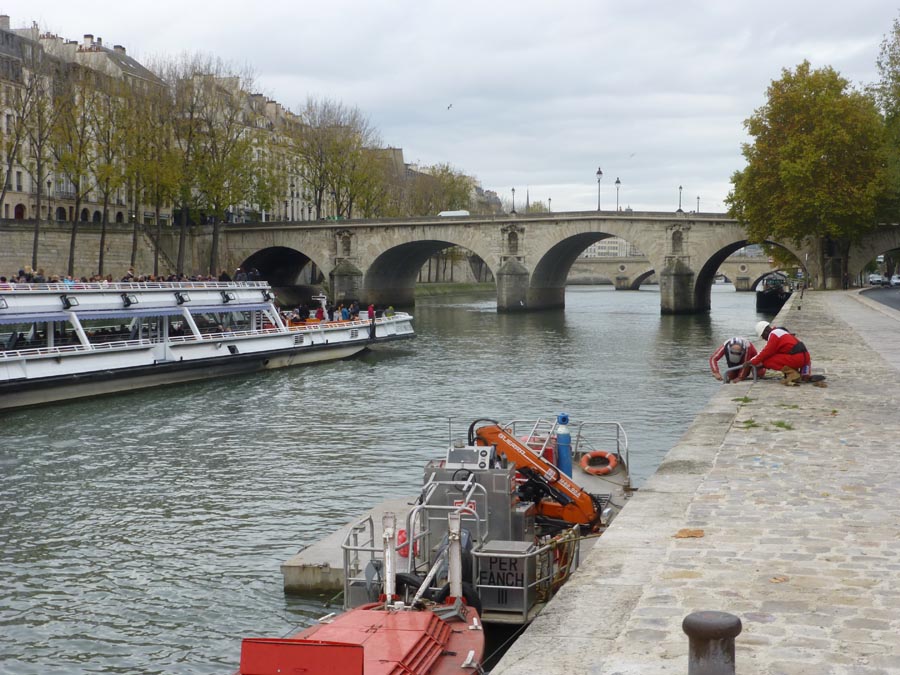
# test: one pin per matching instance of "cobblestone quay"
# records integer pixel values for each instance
(780, 505)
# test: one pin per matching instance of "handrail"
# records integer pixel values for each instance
(740, 366)
(119, 345)
(131, 286)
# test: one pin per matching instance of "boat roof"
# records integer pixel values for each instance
(25, 303)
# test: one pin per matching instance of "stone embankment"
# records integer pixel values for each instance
(780, 505)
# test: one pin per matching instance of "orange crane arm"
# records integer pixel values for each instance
(570, 503)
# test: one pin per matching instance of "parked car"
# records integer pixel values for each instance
(876, 280)
(895, 280)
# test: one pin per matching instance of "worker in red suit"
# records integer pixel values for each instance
(737, 351)
(783, 352)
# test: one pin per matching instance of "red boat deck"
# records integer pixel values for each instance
(371, 641)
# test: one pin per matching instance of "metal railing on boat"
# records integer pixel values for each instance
(132, 286)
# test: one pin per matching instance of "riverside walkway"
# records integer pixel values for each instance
(793, 497)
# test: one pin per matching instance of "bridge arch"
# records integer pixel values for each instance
(883, 240)
(546, 285)
(706, 274)
(293, 275)
(390, 278)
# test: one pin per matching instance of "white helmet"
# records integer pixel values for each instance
(761, 327)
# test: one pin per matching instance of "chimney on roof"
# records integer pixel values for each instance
(88, 40)
(4, 21)
(119, 49)
(99, 41)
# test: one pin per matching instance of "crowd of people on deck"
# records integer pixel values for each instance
(27, 275)
(339, 312)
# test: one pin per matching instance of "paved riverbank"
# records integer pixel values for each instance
(795, 492)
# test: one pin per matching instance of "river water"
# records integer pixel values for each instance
(143, 533)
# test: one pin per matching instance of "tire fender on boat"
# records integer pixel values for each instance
(611, 462)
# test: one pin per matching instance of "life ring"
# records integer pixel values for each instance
(611, 463)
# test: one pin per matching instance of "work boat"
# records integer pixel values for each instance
(61, 342)
(390, 636)
(526, 516)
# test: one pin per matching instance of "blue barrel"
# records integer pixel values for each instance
(563, 445)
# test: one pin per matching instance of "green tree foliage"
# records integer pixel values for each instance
(333, 145)
(815, 168)
(887, 95)
(39, 73)
(438, 188)
(107, 128)
(73, 143)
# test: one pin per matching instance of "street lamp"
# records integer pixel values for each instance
(49, 201)
(679, 199)
(514, 201)
(292, 201)
(549, 204)
(698, 203)
(618, 183)
(599, 176)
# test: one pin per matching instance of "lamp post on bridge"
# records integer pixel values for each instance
(599, 176)
(549, 204)
(679, 199)
(698, 203)
(513, 201)
(292, 201)
(618, 183)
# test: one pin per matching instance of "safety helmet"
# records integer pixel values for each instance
(761, 327)
(735, 346)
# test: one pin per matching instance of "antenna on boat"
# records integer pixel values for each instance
(389, 527)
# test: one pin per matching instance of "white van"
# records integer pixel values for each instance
(454, 213)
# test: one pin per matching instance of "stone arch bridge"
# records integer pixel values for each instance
(529, 255)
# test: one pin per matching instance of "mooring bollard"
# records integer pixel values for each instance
(711, 636)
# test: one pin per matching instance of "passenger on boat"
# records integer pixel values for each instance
(345, 313)
(737, 351)
(371, 312)
(783, 352)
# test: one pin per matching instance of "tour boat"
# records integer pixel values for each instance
(386, 637)
(61, 341)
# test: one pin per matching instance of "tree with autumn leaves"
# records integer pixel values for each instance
(816, 171)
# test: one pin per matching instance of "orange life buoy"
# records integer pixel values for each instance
(611, 462)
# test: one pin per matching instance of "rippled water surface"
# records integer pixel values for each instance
(143, 533)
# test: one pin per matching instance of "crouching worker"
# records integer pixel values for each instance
(737, 351)
(783, 353)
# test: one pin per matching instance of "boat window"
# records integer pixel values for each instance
(224, 322)
(33, 335)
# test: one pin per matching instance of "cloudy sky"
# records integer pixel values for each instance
(529, 95)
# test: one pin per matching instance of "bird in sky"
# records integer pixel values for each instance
(449, 106)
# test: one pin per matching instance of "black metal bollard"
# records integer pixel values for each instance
(711, 636)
